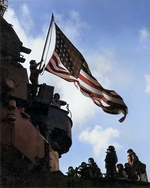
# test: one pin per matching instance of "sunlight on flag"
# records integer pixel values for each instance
(68, 63)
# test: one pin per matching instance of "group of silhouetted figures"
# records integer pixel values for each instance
(85, 170)
(132, 170)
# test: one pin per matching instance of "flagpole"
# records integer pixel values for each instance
(46, 40)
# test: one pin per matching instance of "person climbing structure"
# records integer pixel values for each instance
(34, 74)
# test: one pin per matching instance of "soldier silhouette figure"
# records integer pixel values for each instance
(110, 162)
(34, 74)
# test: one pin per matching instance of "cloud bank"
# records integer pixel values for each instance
(100, 139)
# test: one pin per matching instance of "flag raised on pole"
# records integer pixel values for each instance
(68, 63)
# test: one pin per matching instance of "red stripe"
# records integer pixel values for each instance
(92, 94)
(87, 81)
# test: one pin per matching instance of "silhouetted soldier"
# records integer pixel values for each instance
(94, 170)
(142, 172)
(71, 172)
(110, 162)
(137, 167)
(121, 173)
(84, 170)
(57, 102)
(134, 163)
(130, 172)
(34, 74)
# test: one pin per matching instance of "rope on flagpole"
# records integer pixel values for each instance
(46, 40)
(48, 45)
(47, 51)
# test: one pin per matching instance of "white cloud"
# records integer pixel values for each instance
(35, 44)
(144, 33)
(100, 139)
(145, 38)
(75, 15)
(25, 19)
(25, 11)
(81, 107)
(147, 79)
(11, 18)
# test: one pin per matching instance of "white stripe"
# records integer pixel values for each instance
(89, 78)
(119, 101)
(96, 91)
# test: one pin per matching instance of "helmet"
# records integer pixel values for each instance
(32, 62)
(70, 168)
(127, 165)
(56, 96)
(130, 151)
(83, 164)
(90, 160)
(111, 148)
(120, 166)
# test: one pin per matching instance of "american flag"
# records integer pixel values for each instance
(68, 63)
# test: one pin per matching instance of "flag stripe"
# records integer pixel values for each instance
(53, 67)
(99, 90)
(96, 83)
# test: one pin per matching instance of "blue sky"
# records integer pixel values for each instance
(114, 38)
